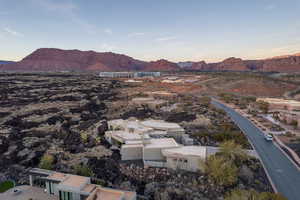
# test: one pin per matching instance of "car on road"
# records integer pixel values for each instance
(268, 137)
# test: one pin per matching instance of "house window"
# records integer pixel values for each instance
(65, 195)
(51, 188)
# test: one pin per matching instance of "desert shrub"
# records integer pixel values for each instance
(84, 137)
(236, 136)
(205, 101)
(228, 98)
(252, 195)
(83, 170)
(233, 151)
(294, 123)
(221, 171)
(263, 106)
(47, 162)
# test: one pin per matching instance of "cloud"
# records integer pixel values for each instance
(108, 31)
(58, 6)
(12, 32)
(168, 38)
(107, 47)
(136, 34)
(270, 7)
(67, 9)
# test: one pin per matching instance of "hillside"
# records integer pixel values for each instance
(2, 62)
(49, 59)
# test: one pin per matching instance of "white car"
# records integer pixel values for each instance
(268, 137)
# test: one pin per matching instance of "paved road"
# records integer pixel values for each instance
(284, 174)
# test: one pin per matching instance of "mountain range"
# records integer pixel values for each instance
(50, 59)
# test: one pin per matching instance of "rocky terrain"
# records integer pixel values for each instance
(42, 113)
(48, 59)
(66, 115)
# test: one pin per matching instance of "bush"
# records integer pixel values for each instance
(263, 106)
(233, 152)
(252, 195)
(47, 162)
(221, 171)
(83, 170)
(6, 185)
(205, 101)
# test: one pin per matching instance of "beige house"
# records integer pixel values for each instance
(185, 157)
(73, 187)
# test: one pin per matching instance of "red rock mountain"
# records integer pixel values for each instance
(48, 59)
(277, 64)
(161, 65)
(62, 60)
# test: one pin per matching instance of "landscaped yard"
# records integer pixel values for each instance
(6, 185)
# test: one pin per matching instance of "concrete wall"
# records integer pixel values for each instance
(131, 153)
(153, 154)
(189, 163)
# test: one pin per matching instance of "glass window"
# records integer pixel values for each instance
(65, 195)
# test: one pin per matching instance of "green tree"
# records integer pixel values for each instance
(263, 106)
(83, 170)
(253, 195)
(46, 162)
(232, 151)
(221, 171)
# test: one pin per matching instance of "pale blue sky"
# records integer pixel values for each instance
(177, 30)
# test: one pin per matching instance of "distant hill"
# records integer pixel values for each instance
(50, 59)
(47, 59)
(2, 62)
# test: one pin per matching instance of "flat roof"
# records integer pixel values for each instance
(89, 188)
(75, 181)
(187, 151)
(129, 136)
(57, 176)
(158, 124)
(279, 101)
(161, 143)
(127, 146)
(26, 192)
(110, 194)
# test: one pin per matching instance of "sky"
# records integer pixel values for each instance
(177, 30)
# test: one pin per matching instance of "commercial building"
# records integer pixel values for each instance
(116, 74)
(72, 187)
(128, 74)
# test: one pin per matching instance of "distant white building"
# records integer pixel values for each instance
(129, 74)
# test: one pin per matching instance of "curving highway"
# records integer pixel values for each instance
(283, 173)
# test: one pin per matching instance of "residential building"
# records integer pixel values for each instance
(152, 141)
(281, 104)
(185, 157)
(73, 187)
